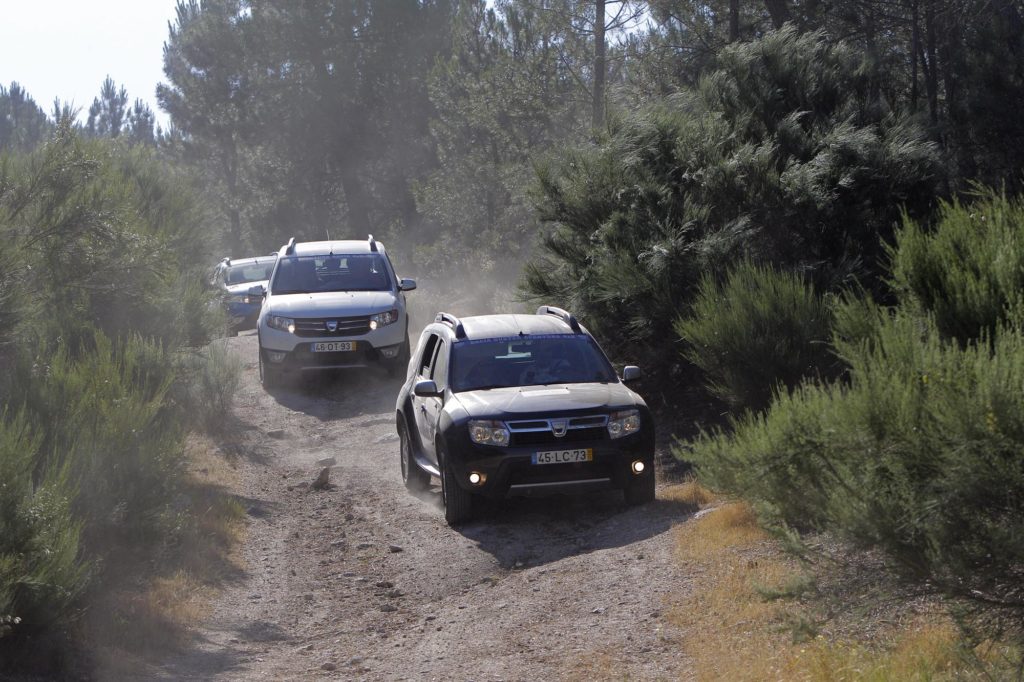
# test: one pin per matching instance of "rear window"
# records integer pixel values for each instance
(253, 272)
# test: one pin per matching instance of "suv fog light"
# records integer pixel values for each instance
(638, 467)
(476, 478)
(389, 352)
(276, 355)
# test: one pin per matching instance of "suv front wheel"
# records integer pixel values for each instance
(640, 490)
(415, 479)
(270, 378)
(458, 503)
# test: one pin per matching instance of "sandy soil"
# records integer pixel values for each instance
(366, 581)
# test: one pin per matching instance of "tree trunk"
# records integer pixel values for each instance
(355, 199)
(915, 50)
(932, 71)
(734, 20)
(599, 64)
(778, 11)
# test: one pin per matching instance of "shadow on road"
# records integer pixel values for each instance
(522, 532)
(340, 394)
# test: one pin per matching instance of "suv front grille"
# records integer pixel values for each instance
(543, 431)
(317, 327)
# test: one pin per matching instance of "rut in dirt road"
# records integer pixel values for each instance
(362, 580)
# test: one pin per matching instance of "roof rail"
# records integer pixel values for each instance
(226, 261)
(563, 315)
(289, 248)
(373, 243)
(453, 322)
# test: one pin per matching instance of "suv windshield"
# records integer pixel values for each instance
(345, 272)
(528, 361)
(253, 272)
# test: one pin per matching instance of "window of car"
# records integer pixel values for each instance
(252, 272)
(331, 272)
(427, 357)
(528, 361)
(439, 370)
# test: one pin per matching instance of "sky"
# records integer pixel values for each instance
(65, 48)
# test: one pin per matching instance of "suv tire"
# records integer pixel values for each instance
(415, 479)
(398, 366)
(458, 503)
(270, 378)
(641, 490)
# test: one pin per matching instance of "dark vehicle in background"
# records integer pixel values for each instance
(500, 405)
(235, 278)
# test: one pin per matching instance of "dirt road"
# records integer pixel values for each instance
(365, 581)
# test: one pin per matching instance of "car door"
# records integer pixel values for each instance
(433, 405)
(424, 366)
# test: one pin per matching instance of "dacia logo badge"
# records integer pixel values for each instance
(559, 427)
(332, 325)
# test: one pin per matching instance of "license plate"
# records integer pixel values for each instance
(333, 346)
(563, 456)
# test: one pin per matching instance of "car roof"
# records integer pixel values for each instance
(253, 259)
(340, 247)
(497, 326)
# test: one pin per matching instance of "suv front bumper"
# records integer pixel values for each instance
(288, 352)
(510, 471)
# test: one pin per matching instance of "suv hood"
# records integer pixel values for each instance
(521, 400)
(340, 303)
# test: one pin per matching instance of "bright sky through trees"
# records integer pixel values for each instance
(65, 48)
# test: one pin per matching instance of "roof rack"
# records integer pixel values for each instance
(289, 248)
(453, 322)
(563, 315)
(226, 261)
(373, 243)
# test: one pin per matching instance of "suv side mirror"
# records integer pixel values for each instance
(631, 373)
(426, 389)
(407, 285)
(257, 292)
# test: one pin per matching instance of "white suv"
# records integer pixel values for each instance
(332, 305)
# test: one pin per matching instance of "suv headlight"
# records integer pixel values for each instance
(488, 432)
(285, 324)
(384, 319)
(623, 423)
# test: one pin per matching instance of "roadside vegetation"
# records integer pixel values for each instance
(103, 322)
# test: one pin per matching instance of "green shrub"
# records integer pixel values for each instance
(757, 332)
(41, 571)
(104, 416)
(211, 377)
(969, 271)
(919, 456)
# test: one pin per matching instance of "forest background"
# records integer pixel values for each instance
(802, 212)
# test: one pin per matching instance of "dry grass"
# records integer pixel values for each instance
(735, 633)
(689, 492)
(147, 609)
